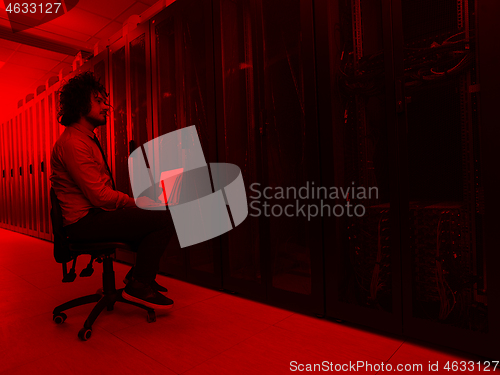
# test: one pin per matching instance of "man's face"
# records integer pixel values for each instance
(98, 111)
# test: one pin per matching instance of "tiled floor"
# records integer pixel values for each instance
(207, 332)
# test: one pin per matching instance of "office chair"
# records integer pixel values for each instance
(66, 251)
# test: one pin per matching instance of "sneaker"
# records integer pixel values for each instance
(154, 284)
(137, 292)
(158, 287)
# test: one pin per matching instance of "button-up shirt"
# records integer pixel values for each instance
(79, 176)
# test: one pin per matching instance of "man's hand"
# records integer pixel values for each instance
(143, 202)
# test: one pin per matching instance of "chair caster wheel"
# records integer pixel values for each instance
(151, 317)
(59, 318)
(85, 333)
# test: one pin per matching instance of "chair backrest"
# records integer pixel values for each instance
(62, 252)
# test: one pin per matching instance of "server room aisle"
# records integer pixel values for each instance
(207, 331)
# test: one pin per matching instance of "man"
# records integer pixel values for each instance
(92, 209)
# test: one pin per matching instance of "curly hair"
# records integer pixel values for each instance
(75, 97)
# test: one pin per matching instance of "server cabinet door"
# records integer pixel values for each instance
(10, 172)
(119, 137)
(238, 137)
(488, 199)
(41, 169)
(32, 157)
(6, 197)
(18, 202)
(140, 107)
(11, 134)
(446, 295)
(6, 166)
(119, 144)
(24, 143)
(23, 187)
(23, 180)
(183, 95)
(166, 103)
(14, 173)
(100, 69)
(137, 102)
(359, 158)
(29, 144)
(3, 195)
(34, 171)
(52, 126)
(292, 234)
(58, 127)
(139, 59)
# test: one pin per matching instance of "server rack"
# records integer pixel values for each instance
(28, 144)
(139, 129)
(430, 243)
(238, 137)
(51, 132)
(58, 127)
(286, 92)
(2, 185)
(3, 167)
(119, 127)
(121, 136)
(45, 148)
(183, 95)
(359, 149)
(101, 71)
(6, 173)
(40, 181)
(446, 278)
(9, 173)
(34, 170)
(16, 205)
(31, 162)
(40, 166)
(256, 261)
(488, 28)
(16, 209)
(14, 174)
(24, 198)
(139, 108)
(11, 170)
(165, 108)
(132, 124)
(22, 188)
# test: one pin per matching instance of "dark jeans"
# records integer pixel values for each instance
(148, 232)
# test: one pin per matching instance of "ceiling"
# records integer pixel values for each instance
(31, 56)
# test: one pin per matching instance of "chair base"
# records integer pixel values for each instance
(107, 299)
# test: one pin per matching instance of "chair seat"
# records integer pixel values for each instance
(98, 247)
